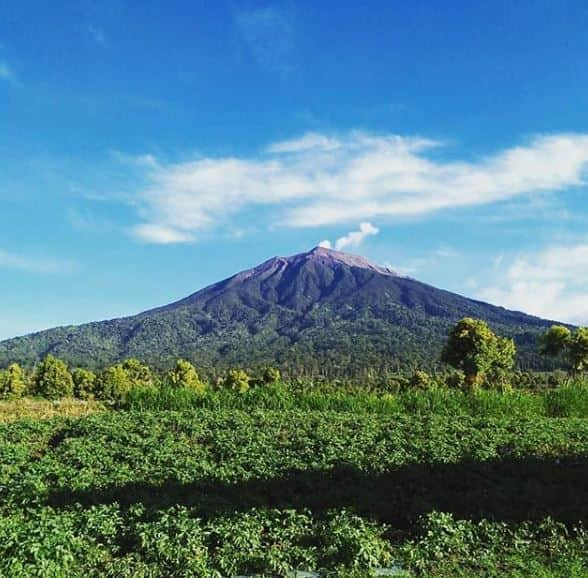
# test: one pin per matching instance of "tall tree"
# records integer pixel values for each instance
(53, 378)
(184, 375)
(13, 382)
(475, 349)
(84, 383)
(570, 346)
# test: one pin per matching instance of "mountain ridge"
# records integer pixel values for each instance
(318, 310)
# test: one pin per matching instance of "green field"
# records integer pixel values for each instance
(226, 492)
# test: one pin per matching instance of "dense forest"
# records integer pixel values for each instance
(318, 313)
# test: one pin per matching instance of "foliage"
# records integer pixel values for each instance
(560, 341)
(569, 401)
(554, 341)
(237, 380)
(271, 375)
(138, 373)
(53, 378)
(224, 492)
(475, 349)
(184, 375)
(115, 382)
(84, 382)
(421, 380)
(449, 548)
(317, 320)
(13, 382)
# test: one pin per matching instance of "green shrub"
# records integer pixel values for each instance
(184, 375)
(13, 382)
(271, 375)
(138, 373)
(84, 382)
(568, 401)
(421, 380)
(114, 383)
(237, 380)
(53, 379)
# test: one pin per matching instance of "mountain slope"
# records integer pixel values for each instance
(323, 310)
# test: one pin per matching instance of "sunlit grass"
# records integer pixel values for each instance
(12, 410)
(568, 401)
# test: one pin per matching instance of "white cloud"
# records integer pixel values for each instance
(161, 234)
(326, 244)
(355, 238)
(552, 283)
(320, 180)
(10, 260)
(309, 141)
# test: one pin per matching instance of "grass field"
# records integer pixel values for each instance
(225, 492)
(570, 401)
(17, 409)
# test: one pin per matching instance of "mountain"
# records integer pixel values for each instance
(323, 311)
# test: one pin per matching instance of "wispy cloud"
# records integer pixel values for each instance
(425, 260)
(268, 33)
(161, 234)
(551, 283)
(322, 179)
(353, 238)
(9, 260)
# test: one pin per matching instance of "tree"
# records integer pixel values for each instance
(114, 383)
(117, 380)
(572, 347)
(475, 349)
(184, 375)
(84, 382)
(53, 378)
(13, 381)
(579, 350)
(237, 380)
(421, 380)
(137, 372)
(271, 375)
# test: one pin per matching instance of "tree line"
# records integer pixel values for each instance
(53, 379)
(479, 357)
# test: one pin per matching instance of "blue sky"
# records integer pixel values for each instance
(149, 149)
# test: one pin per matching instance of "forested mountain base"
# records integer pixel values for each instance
(322, 312)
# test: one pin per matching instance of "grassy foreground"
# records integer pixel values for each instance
(12, 410)
(569, 401)
(229, 492)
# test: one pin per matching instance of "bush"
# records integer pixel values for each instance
(84, 382)
(53, 379)
(114, 383)
(138, 373)
(421, 380)
(13, 381)
(271, 375)
(237, 380)
(184, 375)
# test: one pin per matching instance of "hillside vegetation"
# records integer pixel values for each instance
(322, 312)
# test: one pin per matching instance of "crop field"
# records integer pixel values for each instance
(232, 492)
